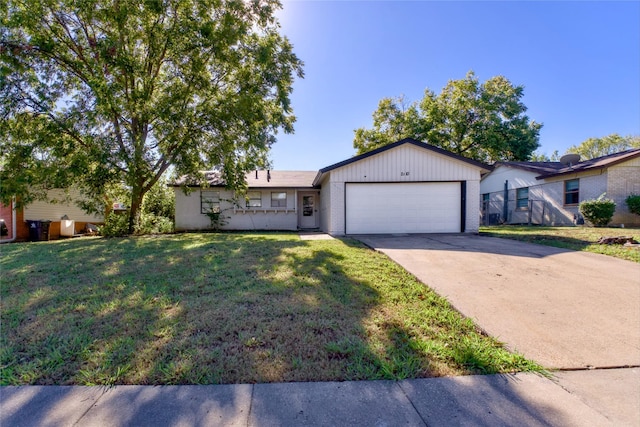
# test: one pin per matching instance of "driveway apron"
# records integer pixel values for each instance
(563, 309)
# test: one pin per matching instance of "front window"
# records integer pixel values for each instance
(279, 200)
(209, 201)
(254, 199)
(572, 192)
(522, 198)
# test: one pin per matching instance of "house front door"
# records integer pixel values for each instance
(308, 210)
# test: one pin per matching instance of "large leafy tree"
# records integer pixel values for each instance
(543, 157)
(96, 92)
(483, 121)
(610, 144)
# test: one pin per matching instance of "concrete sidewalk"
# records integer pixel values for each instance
(570, 399)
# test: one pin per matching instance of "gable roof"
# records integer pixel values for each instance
(536, 167)
(422, 145)
(259, 179)
(552, 169)
(602, 162)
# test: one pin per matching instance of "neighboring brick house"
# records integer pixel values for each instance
(548, 193)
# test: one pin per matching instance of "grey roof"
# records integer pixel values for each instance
(595, 164)
(551, 169)
(537, 167)
(272, 179)
(260, 179)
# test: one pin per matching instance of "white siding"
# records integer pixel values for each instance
(325, 205)
(518, 178)
(393, 165)
(472, 221)
(65, 204)
(189, 216)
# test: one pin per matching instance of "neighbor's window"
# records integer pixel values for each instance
(572, 192)
(209, 201)
(279, 200)
(522, 198)
(254, 199)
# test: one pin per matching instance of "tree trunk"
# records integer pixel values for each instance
(136, 205)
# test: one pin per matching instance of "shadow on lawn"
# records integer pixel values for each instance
(191, 309)
(555, 241)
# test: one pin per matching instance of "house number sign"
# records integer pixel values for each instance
(404, 173)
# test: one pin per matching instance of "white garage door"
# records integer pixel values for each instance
(416, 207)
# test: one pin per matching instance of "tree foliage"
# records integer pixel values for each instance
(542, 157)
(96, 92)
(633, 203)
(610, 144)
(483, 121)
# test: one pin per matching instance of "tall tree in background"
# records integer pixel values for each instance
(542, 157)
(483, 121)
(610, 144)
(103, 91)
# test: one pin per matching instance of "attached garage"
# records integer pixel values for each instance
(407, 207)
(404, 187)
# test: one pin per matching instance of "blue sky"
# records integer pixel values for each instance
(578, 61)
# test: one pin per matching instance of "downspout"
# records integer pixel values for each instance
(505, 204)
(14, 223)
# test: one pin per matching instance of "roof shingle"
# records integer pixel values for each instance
(551, 169)
(260, 179)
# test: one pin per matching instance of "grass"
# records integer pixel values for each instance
(226, 308)
(575, 238)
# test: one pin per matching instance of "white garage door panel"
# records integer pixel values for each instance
(416, 207)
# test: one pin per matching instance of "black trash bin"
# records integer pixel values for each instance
(35, 230)
(44, 234)
(38, 230)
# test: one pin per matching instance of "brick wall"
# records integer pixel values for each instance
(6, 213)
(546, 201)
(624, 180)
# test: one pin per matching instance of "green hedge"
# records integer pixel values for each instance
(633, 202)
(599, 211)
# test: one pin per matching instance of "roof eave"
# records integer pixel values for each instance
(573, 171)
(423, 145)
(318, 179)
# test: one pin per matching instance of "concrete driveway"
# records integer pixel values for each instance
(563, 309)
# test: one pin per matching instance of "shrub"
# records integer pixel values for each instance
(160, 201)
(154, 224)
(115, 225)
(218, 220)
(599, 211)
(633, 202)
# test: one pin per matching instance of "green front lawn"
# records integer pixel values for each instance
(575, 238)
(226, 308)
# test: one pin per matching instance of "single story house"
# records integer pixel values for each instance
(404, 187)
(548, 193)
(61, 203)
